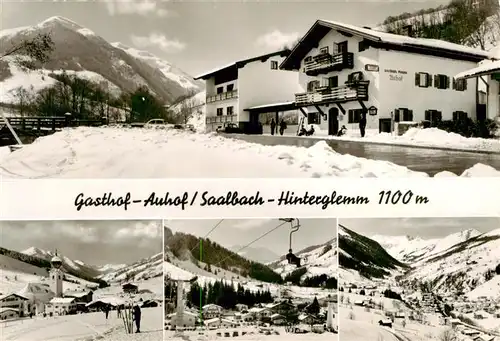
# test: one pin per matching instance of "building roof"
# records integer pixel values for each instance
(13, 294)
(486, 67)
(130, 285)
(241, 63)
(62, 300)
(273, 107)
(77, 293)
(416, 45)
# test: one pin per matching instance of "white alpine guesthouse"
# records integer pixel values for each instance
(350, 72)
(243, 84)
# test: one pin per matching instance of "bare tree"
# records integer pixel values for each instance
(37, 49)
(188, 107)
(24, 99)
(488, 32)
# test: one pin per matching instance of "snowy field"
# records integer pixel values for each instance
(254, 336)
(160, 153)
(83, 327)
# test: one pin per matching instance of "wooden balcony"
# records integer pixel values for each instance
(223, 96)
(220, 119)
(341, 94)
(325, 62)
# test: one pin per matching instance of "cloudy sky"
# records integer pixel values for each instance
(200, 35)
(92, 242)
(419, 227)
(241, 232)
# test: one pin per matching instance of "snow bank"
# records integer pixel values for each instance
(163, 153)
(430, 137)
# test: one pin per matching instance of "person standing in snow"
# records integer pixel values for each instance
(137, 316)
(282, 127)
(362, 124)
(106, 310)
(273, 126)
(119, 311)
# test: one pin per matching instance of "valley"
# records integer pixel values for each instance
(213, 290)
(420, 288)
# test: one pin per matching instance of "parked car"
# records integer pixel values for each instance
(155, 122)
(230, 128)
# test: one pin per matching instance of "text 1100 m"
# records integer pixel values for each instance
(398, 197)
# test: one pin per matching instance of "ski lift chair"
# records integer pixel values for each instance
(295, 225)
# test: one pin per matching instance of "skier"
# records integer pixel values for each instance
(273, 126)
(137, 317)
(119, 311)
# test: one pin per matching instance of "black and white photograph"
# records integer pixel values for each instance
(399, 89)
(419, 279)
(81, 280)
(253, 279)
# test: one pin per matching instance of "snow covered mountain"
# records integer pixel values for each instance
(142, 270)
(257, 254)
(81, 51)
(471, 266)
(414, 249)
(363, 258)
(316, 259)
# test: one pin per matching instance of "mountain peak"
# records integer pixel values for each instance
(61, 21)
(33, 251)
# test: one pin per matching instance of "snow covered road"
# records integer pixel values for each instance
(158, 153)
(81, 327)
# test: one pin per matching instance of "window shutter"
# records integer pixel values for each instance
(396, 115)
(428, 79)
(455, 84)
(464, 84)
(349, 78)
(427, 115)
(455, 115)
(438, 115)
(447, 82)
(436, 81)
(417, 79)
(410, 115)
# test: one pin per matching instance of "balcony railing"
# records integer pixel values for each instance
(325, 62)
(220, 119)
(341, 94)
(223, 96)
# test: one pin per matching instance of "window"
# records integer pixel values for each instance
(433, 115)
(355, 77)
(323, 49)
(423, 80)
(342, 47)
(333, 82)
(460, 84)
(460, 116)
(274, 65)
(354, 115)
(220, 90)
(312, 85)
(230, 87)
(220, 111)
(313, 118)
(403, 115)
(230, 111)
(308, 59)
(441, 81)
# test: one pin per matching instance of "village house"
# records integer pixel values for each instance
(16, 302)
(219, 323)
(481, 315)
(488, 74)
(484, 337)
(277, 319)
(187, 320)
(241, 307)
(129, 288)
(8, 313)
(80, 296)
(306, 319)
(211, 311)
(233, 89)
(471, 333)
(61, 306)
(38, 295)
(349, 73)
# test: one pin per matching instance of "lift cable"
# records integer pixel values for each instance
(206, 235)
(253, 241)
